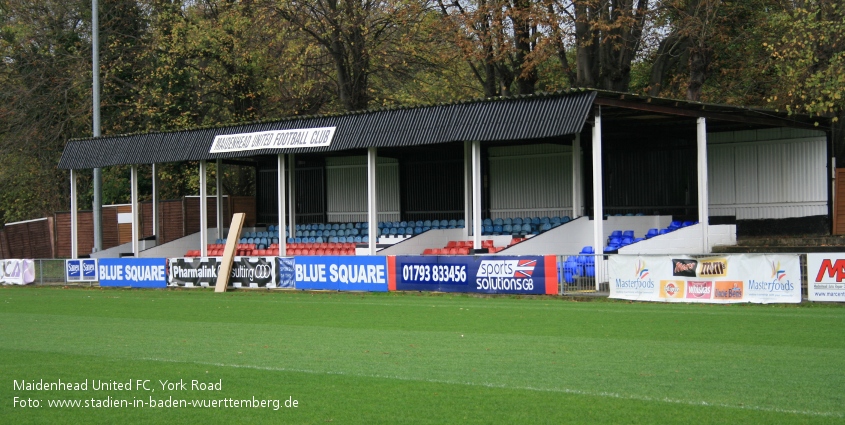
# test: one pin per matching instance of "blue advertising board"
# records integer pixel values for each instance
(133, 272)
(81, 270)
(482, 274)
(341, 273)
(287, 277)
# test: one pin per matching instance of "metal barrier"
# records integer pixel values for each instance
(582, 274)
(51, 272)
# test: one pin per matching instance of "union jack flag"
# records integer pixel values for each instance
(524, 268)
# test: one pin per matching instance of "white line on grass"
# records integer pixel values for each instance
(507, 387)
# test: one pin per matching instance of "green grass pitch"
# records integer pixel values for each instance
(417, 358)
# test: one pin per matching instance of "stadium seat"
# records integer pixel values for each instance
(651, 233)
(517, 221)
(628, 234)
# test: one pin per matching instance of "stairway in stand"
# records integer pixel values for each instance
(775, 244)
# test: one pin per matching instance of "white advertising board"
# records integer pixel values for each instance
(737, 278)
(826, 277)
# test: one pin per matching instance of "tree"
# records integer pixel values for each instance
(351, 42)
(809, 56)
(43, 101)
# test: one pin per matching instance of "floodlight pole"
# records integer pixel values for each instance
(703, 196)
(576, 177)
(203, 212)
(134, 199)
(97, 208)
(292, 194)
(219, 189)
(74, 220)
(372, 202)
(156, 184)
(283, 242)
(468, 226)
(598, 207)
(476, 194)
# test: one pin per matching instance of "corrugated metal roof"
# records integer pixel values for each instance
(527, 117)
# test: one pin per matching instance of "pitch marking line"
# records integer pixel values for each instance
(507, 387)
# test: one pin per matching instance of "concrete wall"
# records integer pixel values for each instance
(683, 241)
(570, 238)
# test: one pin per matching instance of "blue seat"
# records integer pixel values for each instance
(616, 234)
(498, 221)
(365, 225)
(627, 240)
(517, 221)
(688, 223)
(297, 240)
(497, 229)
(312, 240)
(651, 233)
(487, 230)
(418, 230)
(320, 239)
(290, 240)
(637, 240)
(565, 219)
(526, 229)
(427, 223)
(675, 225)
(535, 220)
(365, 231)
(587, 250)
(663, 231)
(453, 223)
(508, 220)
(393, 230)
(628, 234)
(555, 219)
(507, 228)
(545, 220)
(611, 248)
(341, 239)
(545, 226)
(486, 222)
(333, 239)
(614, 240)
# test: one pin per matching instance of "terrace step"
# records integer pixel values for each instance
(777, 244)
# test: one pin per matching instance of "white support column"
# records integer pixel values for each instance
(292, 194)
(372, 201)
(598, 201)
(74, 219)
(219, 188)
(476, 194)
(283, 242)
(156, 183)
(703, 198)
(468, 190)
(577, 178)
(133, 177)
(203, 212)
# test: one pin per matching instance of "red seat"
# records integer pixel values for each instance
(452, 244)
(428, 251)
